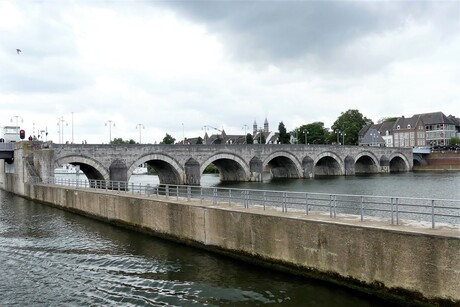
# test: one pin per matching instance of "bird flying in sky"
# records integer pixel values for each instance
(18, 51)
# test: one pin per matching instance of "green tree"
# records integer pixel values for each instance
(454, 141)
(387, 119)
(260, 138)
(118, 141)
(282, 134)
(199, 140)
(315, 133)
(168, 139)
(249, 139)
(349, 123)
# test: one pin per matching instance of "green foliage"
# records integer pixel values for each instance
(211, 169)
(454, 141)
(249, 139)
(199, 140)
(260, 138)
(315, 133)
(349, 122)
(168, 139)
(151, 170)
(118, 141)
(283, 135)
(387, 119)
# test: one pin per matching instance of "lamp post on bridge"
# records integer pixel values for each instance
(110, 123)
(17, 117)
(343, 138)
(245, 127)
(72, 127)
(60, 124)
(306, 137)
(140, 127)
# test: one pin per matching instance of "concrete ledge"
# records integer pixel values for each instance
(423, 265)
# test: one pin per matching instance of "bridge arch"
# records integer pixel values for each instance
(92, 168)
(366, 162)
(283, 164)
(399, 163)
(168, 169)
(329, 163)
(231, 166)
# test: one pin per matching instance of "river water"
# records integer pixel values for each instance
(49, 257)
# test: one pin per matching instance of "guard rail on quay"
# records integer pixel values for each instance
(390, 208)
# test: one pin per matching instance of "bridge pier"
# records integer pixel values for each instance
(192, 172)
(118, 171)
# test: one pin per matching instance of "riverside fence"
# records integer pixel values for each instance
(445, 212)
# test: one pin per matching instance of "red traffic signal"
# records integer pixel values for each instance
(22, 134)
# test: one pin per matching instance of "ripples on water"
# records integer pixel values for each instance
(50, 257)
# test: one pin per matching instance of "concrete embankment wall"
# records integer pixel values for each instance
(440, 161)
(423, 266)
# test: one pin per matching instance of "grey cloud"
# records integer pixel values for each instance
(284, 32)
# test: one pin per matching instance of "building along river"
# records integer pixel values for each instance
(50, 257)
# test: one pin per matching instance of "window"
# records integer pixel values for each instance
(398, 127)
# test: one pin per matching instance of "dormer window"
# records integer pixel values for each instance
(408, 126)
(398, 127)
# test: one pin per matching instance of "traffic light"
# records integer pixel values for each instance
(22, 134)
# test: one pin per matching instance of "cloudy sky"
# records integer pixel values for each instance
(177, 66)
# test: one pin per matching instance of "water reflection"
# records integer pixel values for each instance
(50, 257)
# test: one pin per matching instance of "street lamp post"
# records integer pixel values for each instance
(306, 137)
(110, 123)
(245, 127)
(140, 127)
(183, 135)
(343, 138)
(72, 127)
(60, 124)
(17, 117)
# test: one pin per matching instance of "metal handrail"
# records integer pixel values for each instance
(389, 208)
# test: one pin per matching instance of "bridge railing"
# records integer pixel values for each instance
(395, 210)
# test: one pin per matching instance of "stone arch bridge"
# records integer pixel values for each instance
(184, 164)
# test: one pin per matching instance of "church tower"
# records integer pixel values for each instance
(266, 130)
(254, 128)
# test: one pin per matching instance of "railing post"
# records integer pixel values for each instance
(392, 211)
(265, 198)
(132, 188)
(306, 204)
(335, 206)
(432, 214)
(330, 206)
(177, 192)
(189, 193)
(362, 208)
(285, 201)
(229, 197)
(246, 198)
(214, 198)
(397, 211)
(167, 191)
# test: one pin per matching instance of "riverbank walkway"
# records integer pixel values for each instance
(440, 217)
